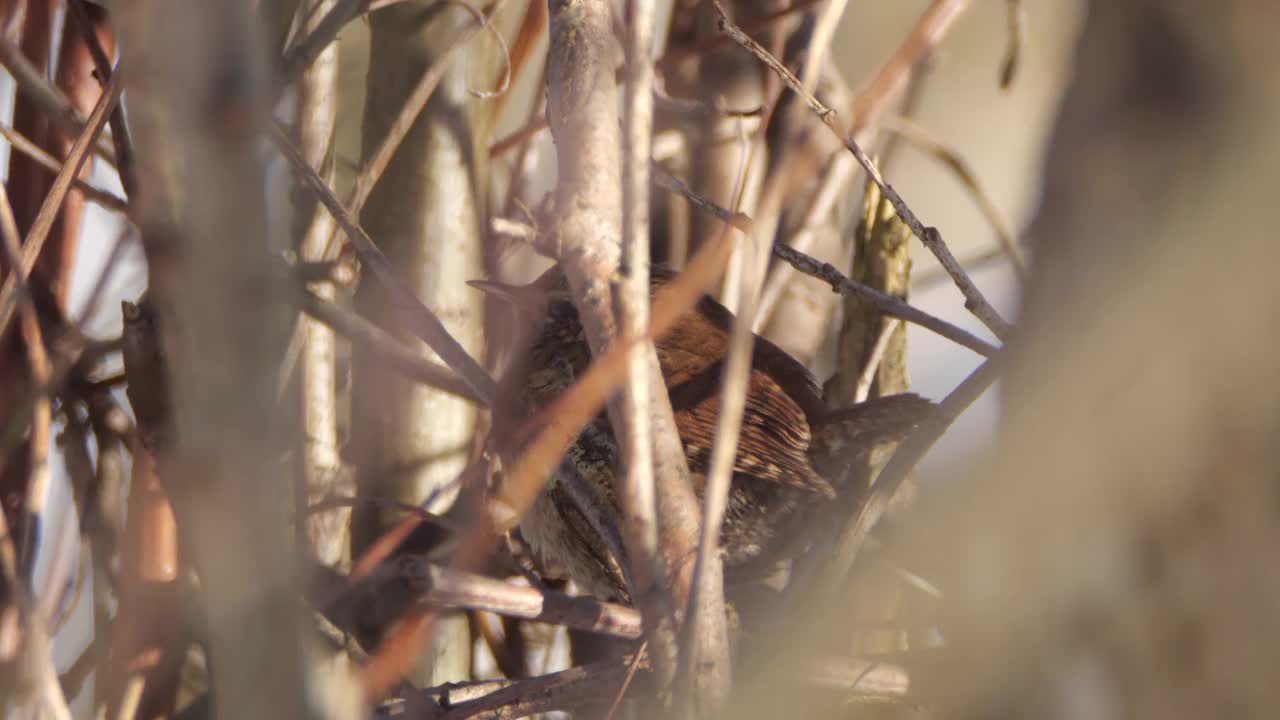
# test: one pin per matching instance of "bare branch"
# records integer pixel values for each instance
(925, 35)
(304, 52)
(951, 158)
(1013, 55)
(53, 201)
(862, 389)
(421, 320)
(24, 145)
(376, 163)
(32, 82)
(827, 273)
(639, 498)
(383, 345)
(445, 587)
(120, 140)
(975, 302)
(566, 690)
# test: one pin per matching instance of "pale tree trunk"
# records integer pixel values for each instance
(728, 164)
(323, 472)
(426, 215)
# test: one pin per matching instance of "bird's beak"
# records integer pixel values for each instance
(520, 296)
(495, 289)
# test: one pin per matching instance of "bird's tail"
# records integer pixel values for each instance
(844, 434)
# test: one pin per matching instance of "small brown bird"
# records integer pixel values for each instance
(790, 447)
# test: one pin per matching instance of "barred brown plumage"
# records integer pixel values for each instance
(788, 439)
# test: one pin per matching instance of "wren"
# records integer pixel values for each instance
(790, 450)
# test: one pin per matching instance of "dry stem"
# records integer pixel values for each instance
(53, 201)
(932, 239)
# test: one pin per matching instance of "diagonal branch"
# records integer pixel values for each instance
(884, 302)
(975, 301)
(382, 344)
(53, 201)
(421, 320)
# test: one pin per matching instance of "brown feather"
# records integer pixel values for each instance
(788, 438)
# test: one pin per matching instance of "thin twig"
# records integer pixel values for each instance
(377, 162)
(33, 83)
(951, 158)
(975, 302)
(824, 29)
(632, 666)
(705, 637)
(445, 587)
(385, 347)
(671, 183)
(639, 499)
(976, 262)
(304, 52)
(53, 201)
(1013, 55)
(925, 35)
(535, 125)
(24, 145)
(421, 320)
(120, 139)
(674, 55)
(707, 572)
(37, 487)
(44, 94)
(885, 303)
(700, 108)
(892, 78)
(532, 24)
(564, 690)
(862, 389)
(834, 183)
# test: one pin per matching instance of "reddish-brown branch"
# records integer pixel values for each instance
(43, 223)
(27, 184)
(100, 41)
(147, 638)
(925, 35)
(74, 77)
(26, 187)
